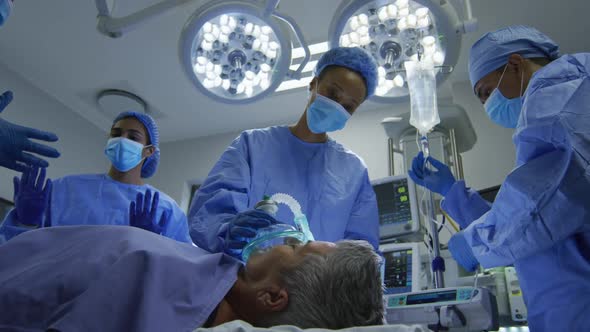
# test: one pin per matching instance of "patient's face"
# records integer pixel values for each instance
(270, 263)
(260, 290)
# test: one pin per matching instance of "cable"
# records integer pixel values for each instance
(427, 242)
(477, 272)
(459, 314)
(451, 221)
(443, 222)
(423, 198)
(427, 217)
(446, 225)
(437, 266)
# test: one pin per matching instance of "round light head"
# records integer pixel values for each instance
(232, 53)
(393, 31)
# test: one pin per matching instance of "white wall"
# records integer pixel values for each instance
(186, 162)
(485, 165)
(365, 135)
(80, 143)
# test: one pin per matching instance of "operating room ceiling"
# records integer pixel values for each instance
(55, 46)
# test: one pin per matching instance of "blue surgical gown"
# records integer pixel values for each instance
(96, 199)
(540, 219)
(330, 182)
(109, 278)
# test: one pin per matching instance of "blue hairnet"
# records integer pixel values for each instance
(151, 163)
(492, 50)
(353, 58)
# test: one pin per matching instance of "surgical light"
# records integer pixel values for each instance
(238, 51)
(396, 31)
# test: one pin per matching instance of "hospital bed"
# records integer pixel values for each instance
(241, 326)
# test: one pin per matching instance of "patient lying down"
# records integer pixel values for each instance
(117, 278)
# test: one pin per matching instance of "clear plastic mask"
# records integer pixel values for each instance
(269, 237)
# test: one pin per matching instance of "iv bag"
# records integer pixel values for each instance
(421, 79)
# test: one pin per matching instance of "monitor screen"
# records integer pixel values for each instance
(397, 275)
(433, 297)
(393, 201)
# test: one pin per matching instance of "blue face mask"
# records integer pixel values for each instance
(5, 9)
(502, 110)
(124, 153)
(325, 115)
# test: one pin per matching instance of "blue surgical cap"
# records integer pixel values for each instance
(151, 163)
(353, 58)
(492, 50)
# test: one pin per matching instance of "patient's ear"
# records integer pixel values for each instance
(273, 298)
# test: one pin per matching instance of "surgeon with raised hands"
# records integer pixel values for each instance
(119, 197)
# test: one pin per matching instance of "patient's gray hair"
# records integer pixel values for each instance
(335, 291)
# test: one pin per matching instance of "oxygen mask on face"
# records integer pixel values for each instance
(278, 234)
(271, 236)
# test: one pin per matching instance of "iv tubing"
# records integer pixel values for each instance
(438, 273)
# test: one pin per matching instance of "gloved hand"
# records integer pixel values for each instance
(143, 213)
(14, 140)
(30, 198)
(462, 252)
(243, 227)
(440, 181)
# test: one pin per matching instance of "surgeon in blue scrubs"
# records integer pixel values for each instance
(329, 181)
(119, 197)
(540, 219)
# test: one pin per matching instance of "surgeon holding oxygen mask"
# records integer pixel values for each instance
(117, 198)
(540, 219)
(330, 182)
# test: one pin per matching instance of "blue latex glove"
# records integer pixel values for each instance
(440, 181)
(243, 227)
(15, 140)
(30, 197)
(143, 213)
(462, 252)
